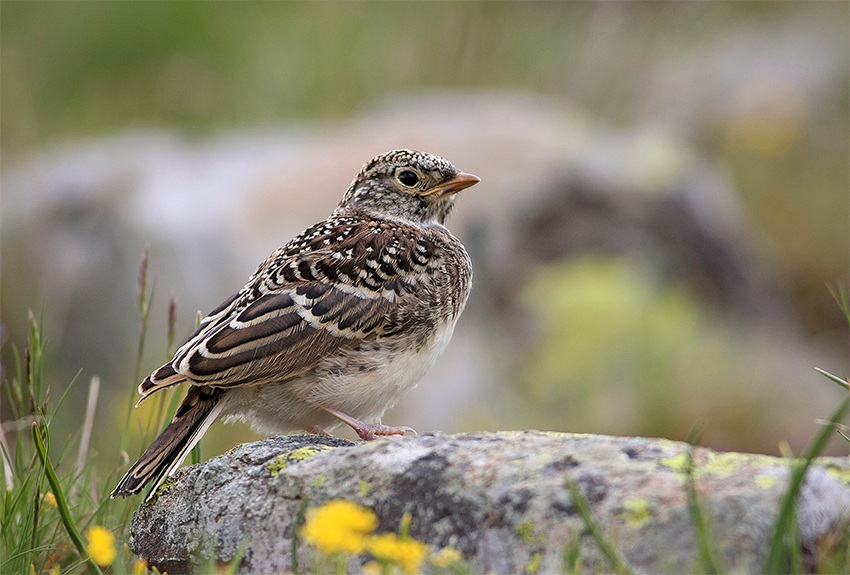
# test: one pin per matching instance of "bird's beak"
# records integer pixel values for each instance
(453, 185)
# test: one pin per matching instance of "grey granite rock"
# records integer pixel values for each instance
(502, 499)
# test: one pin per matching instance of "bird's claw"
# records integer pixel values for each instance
(372, 431)
(316, 430)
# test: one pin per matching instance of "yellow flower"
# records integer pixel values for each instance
(406, 553)
(101, 546)
(50, 499)
(339, 525)
(446, 557)
(140, 567)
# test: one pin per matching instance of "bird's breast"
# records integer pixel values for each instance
(371, 378)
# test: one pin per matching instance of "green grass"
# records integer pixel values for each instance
(39, 535)
(616, 562)
(785, 544)
(708, 560)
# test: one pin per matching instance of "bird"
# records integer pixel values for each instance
(332, 328)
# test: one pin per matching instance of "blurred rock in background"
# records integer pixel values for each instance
(662, 210)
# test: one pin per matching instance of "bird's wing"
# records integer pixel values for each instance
(305, 302)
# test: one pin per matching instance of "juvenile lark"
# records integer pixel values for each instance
(333, 327)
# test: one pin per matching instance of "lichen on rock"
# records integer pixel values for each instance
(498, 500)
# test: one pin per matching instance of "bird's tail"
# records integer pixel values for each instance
(198, 411)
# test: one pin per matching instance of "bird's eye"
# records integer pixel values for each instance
(408, 178)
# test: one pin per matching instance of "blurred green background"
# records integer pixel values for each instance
(75, 71)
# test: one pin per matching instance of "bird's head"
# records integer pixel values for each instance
(404, 184)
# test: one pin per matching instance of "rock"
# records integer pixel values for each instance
(501, 499)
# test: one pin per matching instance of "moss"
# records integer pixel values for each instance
(281, 461)
(840, 473)
(163, 488)
(723, 464)
(166, 485)
(766, 481)
(303, 453)
(678, 463)
(365, 487)
(533, 565)
(319, 481)
(715, 464)
(636, 512)
(525, 530)
(277, 464)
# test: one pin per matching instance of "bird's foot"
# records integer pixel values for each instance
(369, 431)
(316, 430)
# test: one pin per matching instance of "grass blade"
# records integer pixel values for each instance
(779, 553)
(839, 294)
(61, 502)
(705, 544)
(236, 562)
(88, 424)
(618, 564)
(300, 519)
(833, 378)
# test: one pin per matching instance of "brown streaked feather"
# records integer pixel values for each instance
(163, 377)
(337, 284)
(223, 310)
(169, 449)
(264, 362)
(278, 347)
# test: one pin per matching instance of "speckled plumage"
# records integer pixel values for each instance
(333, 327)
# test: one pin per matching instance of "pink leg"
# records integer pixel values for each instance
(368, 431)
(316, 430)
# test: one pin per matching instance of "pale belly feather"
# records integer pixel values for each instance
(361, 383)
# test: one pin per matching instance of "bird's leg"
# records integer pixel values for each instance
(316, 430)
(368, 431)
